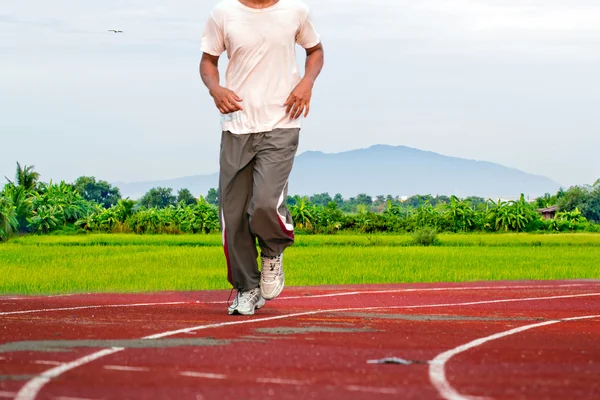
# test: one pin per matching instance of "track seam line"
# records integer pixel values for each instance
(278, 381)
(96, 306)
(126, 368)
(202, 375)
(30, 390)
(437, 367)
(70, 398)
(368, 389)
(45, 362)
(442, 289)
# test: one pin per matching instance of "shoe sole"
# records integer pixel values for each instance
(257, 306)
(273, 295)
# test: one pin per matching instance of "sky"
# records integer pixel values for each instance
(514, 82)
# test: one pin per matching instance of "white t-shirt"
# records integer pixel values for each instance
(262, 70)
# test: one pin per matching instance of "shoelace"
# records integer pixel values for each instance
(269, 269)
(240, 297)
(235, 300)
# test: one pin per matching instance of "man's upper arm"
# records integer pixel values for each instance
(311, 50)
(210, 58)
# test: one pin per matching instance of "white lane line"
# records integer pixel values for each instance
(32, 387)
(44, 297)
(96, 306)
(44, 362)
(437, 367)
(126, 368)
(367, 389)
(301, 314)
(442, 289)
(202, 375)
(282, 381)
(348, 293)
(7, 395)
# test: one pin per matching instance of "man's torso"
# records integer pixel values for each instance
(262, 70)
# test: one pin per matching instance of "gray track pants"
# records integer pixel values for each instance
(252, 193)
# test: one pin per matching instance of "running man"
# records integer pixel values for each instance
(262, 104)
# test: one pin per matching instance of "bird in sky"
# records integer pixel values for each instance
(115, 31)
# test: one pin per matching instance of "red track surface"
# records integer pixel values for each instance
(307, 345)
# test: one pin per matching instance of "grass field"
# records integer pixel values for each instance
(129, 263)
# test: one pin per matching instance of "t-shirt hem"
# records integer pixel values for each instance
(311, 45)
(212, 52)
(259, 129)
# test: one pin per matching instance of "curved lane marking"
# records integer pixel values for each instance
(438, 289)
(30, 390)
(442, 289)
(437, 367)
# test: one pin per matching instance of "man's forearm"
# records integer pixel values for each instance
(314, 65)
(209, 72)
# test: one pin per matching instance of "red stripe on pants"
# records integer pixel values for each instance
(286, 230)
(229, 276)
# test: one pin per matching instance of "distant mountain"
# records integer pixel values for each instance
(380, 169)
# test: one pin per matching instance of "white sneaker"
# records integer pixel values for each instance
(246, 302)
(272, 277)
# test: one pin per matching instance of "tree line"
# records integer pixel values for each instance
(28, 205)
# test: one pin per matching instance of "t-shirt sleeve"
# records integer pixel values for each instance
(213, 40)
(307, 36)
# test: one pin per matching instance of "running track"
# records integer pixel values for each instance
(523, 340)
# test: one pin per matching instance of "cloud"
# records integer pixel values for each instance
(434, 74)
(468, 26)
(545, 27)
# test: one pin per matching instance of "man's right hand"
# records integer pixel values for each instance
(226, 100)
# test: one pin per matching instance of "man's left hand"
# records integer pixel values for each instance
(298, 101)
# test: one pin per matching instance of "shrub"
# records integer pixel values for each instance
(426, 236)
(537, 225)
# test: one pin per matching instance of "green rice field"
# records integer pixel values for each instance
(130, 263)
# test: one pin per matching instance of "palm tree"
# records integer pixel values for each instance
(26, 177)
(302, 215)
(124, 209)
(21, 200)
(521, 213)
(512, 215)
(8, 219)
(499, 215)
(45, 219)
(88, 222)
(426, 216)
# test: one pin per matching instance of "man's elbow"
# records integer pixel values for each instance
(318, 49)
